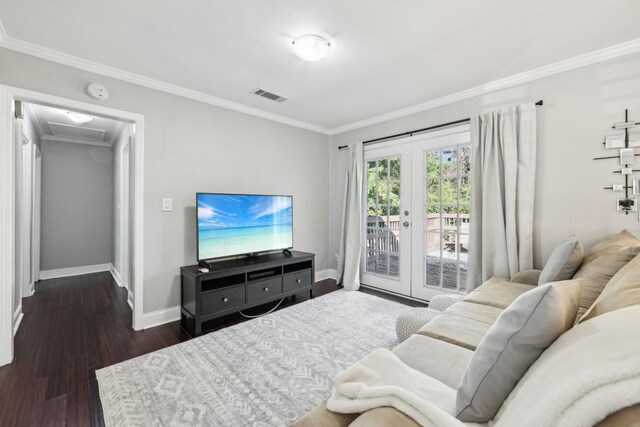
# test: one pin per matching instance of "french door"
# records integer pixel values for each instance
(387, 248)
(416, 204)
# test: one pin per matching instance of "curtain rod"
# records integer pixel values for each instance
(410, 133)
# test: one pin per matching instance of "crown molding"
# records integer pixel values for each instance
(116, 73)
(594, 57)
(75, 140)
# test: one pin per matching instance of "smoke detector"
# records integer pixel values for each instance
(97, 91)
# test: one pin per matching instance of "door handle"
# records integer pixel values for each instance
(405, 224)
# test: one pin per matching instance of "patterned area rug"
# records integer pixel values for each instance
(268, 371)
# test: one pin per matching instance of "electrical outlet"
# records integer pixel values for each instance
(167, 204)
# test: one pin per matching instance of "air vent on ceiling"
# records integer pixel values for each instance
(269, 95)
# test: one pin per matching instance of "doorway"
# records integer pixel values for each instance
(21, 263)
(416, 204)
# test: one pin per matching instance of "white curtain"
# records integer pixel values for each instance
(502, 193)
(351, 237)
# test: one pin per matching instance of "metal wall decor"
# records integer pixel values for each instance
(625, 140)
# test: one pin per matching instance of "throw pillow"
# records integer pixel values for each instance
(622, 290)
(517, 338)
(603, 261)
(563, 262)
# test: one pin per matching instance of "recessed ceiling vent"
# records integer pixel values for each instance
(269, 95)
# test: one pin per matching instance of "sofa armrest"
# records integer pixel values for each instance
(527, 277)
(442, 302)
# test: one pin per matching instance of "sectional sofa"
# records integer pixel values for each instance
(606, 335)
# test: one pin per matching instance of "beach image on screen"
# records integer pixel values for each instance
(230, 224)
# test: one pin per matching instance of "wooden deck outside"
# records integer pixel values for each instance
(383, 245)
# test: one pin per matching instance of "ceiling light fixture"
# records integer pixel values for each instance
(311, 47)
(79, 117)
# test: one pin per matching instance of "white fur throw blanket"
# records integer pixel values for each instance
(591, 371)
(382, 379)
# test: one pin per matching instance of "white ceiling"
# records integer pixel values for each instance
(386, 56)
(53, 124)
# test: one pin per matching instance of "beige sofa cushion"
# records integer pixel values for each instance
(627, 417)
(440, 360)
(473, 311)
(384, 417)
(563, 262)
(463, 324)
(603, 261)
(320, 416)
(621, 291)
(521, 333)
(527, 277)
(497, 292)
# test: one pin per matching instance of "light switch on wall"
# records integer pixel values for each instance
(167, 204)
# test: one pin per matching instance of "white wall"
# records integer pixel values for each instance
(579, 108)
(190, 147)
(77, 205)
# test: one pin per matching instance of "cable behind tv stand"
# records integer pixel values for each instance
(234, 285)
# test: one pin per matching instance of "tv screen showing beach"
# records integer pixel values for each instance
(234, 224)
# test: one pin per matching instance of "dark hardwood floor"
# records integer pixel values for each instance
(75, 325)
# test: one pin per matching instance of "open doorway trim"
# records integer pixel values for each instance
(8, 96)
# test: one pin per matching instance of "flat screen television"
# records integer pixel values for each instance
(239, 224)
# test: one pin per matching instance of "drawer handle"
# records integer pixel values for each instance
(266, 289)
(225, 299)
(298, 281)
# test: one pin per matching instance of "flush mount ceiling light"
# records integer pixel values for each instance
(311, 47)
(79, 117)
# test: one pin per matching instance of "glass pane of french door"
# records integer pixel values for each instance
(441, 165)
(446, 183)
(387, 246)
(383, 216)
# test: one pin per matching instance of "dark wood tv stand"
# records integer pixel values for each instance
(238, 284)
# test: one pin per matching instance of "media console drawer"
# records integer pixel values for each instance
(223, 299)
(263, 289)
(297, 280)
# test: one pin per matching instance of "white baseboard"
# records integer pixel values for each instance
(73, 271)
(329, 273)
(160, 317)
(32, 290)
(116, 275)
(17, 319)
